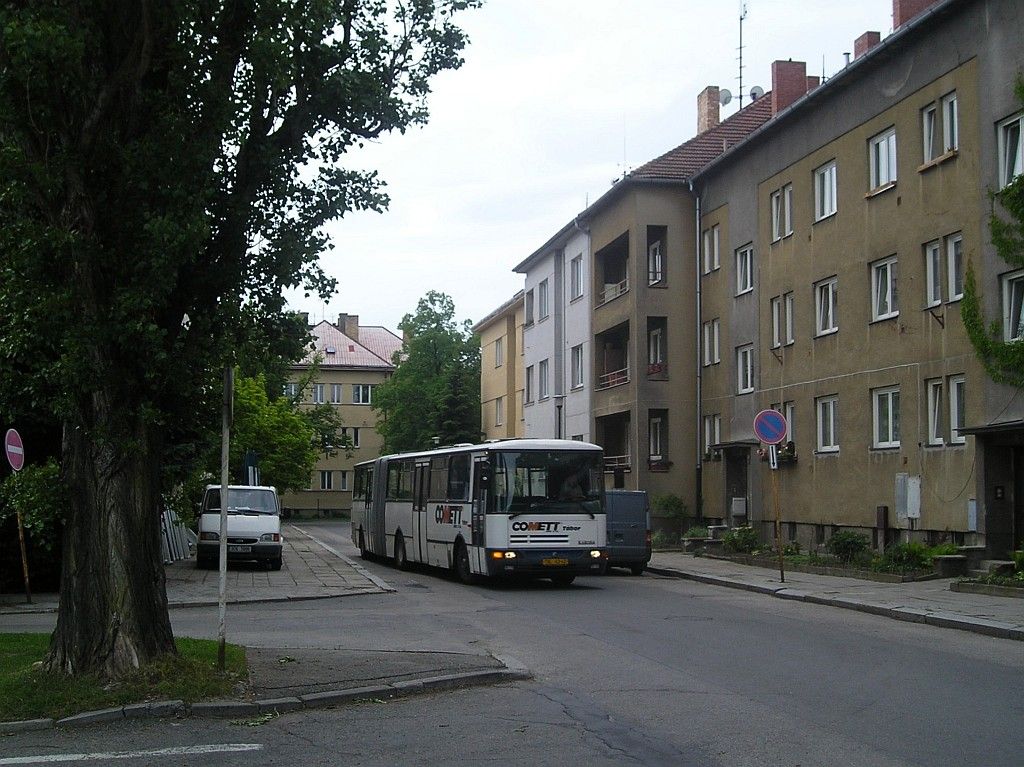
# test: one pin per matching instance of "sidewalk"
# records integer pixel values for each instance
(928, 602)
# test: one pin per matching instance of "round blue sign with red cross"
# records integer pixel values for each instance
(770, 427)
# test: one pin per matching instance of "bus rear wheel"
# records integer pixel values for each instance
(461, 564)
(401, 560)
(363, 551)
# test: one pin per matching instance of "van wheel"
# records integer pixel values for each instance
(461, 564)
(637, 568)
(401, 561)
(205, 563)
(363, 552)
(562, 580)
(275, 564)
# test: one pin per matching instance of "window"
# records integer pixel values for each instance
(326, 482)
(933, 389)
(361, 394)
(712, 431)
(577, 366)
(542, 300)
(825, 191)
(292, 391)
(883, 289)
(933, 273)
(827, 409)
(957, 409)
(528, 309)
(576, 277)
(655, 435)
(343, 485)
(886, 417)
(1010, 149)
(744, 269)
(655, 350)
(782, 212)
(711, 355)
(542, 380)
(787, 300)
(528, 391)
(458, 478)
(711, 244)
(745, 369)
(336, 394)
(788, 409)
(350, 436)
(1013, 306)
(882, 156)
(318, 394)
(655, 268)
(499, 352)
(928, 115)
(826, 295)
(499, 411)
(955, 262)
(950, 129)
(776, 309)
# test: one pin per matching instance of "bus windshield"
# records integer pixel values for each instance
(547, 481)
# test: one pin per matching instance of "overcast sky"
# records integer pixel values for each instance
(555, 99)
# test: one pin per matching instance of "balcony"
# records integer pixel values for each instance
(613, 462)
(612, 291)
(611, 265)
(614, 378)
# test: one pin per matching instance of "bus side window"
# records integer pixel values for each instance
(458, 478)
(438, 478)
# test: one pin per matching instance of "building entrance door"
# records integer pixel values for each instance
(1018, 498)
(737, 490)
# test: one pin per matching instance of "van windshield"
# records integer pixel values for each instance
(556, 481)
(243, 499)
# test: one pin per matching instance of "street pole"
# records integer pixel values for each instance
(774, 460)
(223, 540)
(24, 560)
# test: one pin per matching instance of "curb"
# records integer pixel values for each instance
(906, 614)
(512, 671)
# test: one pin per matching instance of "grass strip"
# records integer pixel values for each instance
(28, 692)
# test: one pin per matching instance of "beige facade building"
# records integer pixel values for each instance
(344, 366)
(501, 373)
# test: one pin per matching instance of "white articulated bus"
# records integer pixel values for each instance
(523, 507)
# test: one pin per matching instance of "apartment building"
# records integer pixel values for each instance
(501, 370)
(348, 361)
(835, 243)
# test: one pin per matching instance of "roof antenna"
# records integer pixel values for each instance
(743, 15)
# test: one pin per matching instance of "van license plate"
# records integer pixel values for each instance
(555, 562)
(239, 549)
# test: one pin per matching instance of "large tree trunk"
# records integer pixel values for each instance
(113, 603)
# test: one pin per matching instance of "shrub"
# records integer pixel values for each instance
(661, 540)
(791, 549)
(905, 557)
(943, 549)
(846, 545)
(740, 540)
(671, 506)
(1018, 561)
(697, 531)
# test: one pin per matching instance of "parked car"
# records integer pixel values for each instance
(629, 529)
(253, 526)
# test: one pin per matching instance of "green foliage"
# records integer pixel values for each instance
(662, 540)
(697, 531)
(435, 392)
(669, 505)
(1003, 361)
(791, 549)
(846, 545)
(39, 495)
(904, 558)
(1018, 561)
(740, 540)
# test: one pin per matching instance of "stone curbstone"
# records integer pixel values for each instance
(92, 717)
(167, 708)
(279, 705)
(223, 709)
(28, 725)
(334, 697)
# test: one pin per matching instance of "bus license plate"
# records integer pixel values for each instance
(555, 562)
(239, 549)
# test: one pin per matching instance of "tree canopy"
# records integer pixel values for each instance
(435, 390)
(1004, 361)
(166, 170)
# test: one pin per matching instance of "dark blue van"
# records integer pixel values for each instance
(629, 529)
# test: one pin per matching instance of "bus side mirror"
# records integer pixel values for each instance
(484, 467)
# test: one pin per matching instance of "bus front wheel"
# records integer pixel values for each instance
(461, 563)
(363, 552)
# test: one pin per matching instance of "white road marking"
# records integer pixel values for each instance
(216, 748)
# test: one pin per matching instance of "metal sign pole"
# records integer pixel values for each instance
(223, 540)
(24, 560)
(773, 457)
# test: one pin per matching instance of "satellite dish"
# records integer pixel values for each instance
(756, 92)
(724, 96)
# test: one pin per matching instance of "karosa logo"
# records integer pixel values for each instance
(541, 527)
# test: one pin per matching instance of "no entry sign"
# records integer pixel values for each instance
(770, 427)
(15, 449)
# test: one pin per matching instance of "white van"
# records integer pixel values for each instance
(254, 526)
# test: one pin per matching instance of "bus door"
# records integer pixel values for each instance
(420, 486)
(375, 507)
(479, 509)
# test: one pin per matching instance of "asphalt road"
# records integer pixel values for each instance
(628, 670)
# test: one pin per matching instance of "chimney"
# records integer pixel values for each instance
(813, 81)
(865, 43)
(349, 325)
(789, 82)
(904, 10)
(707, 109)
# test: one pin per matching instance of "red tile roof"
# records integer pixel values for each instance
(688, 158)
(336, 349)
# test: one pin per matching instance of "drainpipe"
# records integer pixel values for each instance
(699, 470)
